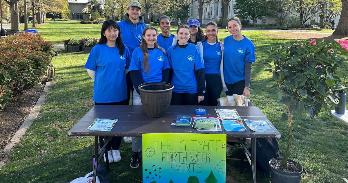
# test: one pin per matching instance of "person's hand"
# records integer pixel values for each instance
(246, 91)
(200, 99)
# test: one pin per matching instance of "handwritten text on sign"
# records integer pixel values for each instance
(183, 157)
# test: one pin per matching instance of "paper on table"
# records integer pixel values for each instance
(233, 126)
(102, 124)
(258, 125)
(207, 124)
(227, 113)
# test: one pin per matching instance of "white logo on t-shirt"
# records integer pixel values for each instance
(122, 57)
(240, 50)
(218, 53)
(139, 37)
(190, 58)
(160, 58)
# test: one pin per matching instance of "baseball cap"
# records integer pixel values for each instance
(193, 22)
(134, 4)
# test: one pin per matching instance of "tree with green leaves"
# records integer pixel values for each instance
(328, 10)
(178, 9)
(115, 9)
(306, 9)
(255, 9)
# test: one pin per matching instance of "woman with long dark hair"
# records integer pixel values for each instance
(149, 64)
(106, 65)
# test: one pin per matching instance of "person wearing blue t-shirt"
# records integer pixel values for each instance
(239, 54)
(165, 39)
(106, 65)
(149, 64)
(212, 56)
(132, 26)
(187, 70)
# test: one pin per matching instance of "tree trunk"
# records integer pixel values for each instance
(14, 15)
(1, 17)
(342, 27)
(33, 11)
(224, 12)
(25, 15)
(200, 10)
(39, 13)
(301, 13)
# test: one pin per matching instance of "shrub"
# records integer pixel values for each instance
(306, 72)
(90, 42)
(23, 61)
(73, 42)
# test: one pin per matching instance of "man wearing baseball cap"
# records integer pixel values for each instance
(132, 26)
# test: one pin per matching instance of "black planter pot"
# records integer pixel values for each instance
(341, 106)
(281, 176)
(73, 48)
(155, 98)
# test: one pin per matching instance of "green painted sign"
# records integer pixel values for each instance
(184, 158)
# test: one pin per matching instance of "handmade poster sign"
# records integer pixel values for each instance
(180, 157)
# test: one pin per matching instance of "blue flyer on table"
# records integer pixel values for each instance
(233, 125)
(102, 124)
(258, 125)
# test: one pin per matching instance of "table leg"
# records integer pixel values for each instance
(95, 158)
(253, 158)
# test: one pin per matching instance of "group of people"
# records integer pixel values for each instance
(130, 53)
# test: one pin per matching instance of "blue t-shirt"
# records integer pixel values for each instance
(236, 54)
(212, 56)
(110, 67)
(157, 61)
(165, 42)
(131, 33)
(184, 62)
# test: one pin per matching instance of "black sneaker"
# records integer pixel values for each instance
(135, 160)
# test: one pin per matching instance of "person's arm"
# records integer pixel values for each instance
(200, 77)
(224, 87)
(200, 50)
(250, 58)
(91, 65)
(247, 79)
(91, 73)
(247, 71)
(137, 78)
(166, 75)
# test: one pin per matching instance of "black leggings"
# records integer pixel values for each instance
(213, 89)
(115, 142)
(235, 88)
(184, 99)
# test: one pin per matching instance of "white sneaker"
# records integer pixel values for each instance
(127, 139)
(111, 159)
(116, 155)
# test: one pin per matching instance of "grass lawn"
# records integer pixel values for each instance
(47, 154)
